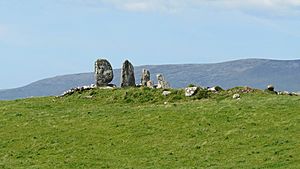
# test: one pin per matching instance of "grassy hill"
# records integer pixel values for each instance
(141, 128)
(284, 74)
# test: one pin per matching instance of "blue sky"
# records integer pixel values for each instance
(45, 38)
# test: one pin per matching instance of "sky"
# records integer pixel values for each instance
(46, 38)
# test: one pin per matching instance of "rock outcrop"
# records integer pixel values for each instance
(103, 72)
(127, 75)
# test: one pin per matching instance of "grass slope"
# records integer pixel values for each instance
(133, 128)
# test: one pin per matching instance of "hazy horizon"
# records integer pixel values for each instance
(40, 39)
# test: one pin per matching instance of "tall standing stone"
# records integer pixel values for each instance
(103, 72)
(145, 77)
(127, 75)
(162, 83)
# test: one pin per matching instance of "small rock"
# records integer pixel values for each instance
(286, 93)
(166, 93)
(271, 88)
(190, 91)
(295, 93)
(138, 85)
(215, 89)
(236, 96)
(150, 84)
(212, 89)
(107, 87)
(112, 85)
(78, 89)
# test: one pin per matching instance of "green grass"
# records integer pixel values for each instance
(135, 128)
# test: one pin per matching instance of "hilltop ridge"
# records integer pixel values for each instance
(257, 73)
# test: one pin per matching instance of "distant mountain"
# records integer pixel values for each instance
(258, 73)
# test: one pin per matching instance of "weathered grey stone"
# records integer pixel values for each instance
(145, 77)
(212, 89)
(78, 89)
(215, 89)
(166, 93)
(103, 72)
(162, 83)
(270, 88)
(286, 93)
(150, 84)
(88, 97)
(295, 93)
(236, 96)
(127, 75)
(190, 91)
(107, 87)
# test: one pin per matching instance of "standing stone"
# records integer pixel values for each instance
(162, 83)
(145, 77)
(103, 72)
(127, 75)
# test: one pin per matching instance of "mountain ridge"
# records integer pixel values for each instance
(284, 74)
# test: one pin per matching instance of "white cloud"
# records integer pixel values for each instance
(145, 5)
(279, 7)
(270, 5)
(139, 6)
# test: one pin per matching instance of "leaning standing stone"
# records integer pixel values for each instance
(127, 75)
(162, 83)
(145, 77)
(103, 72)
